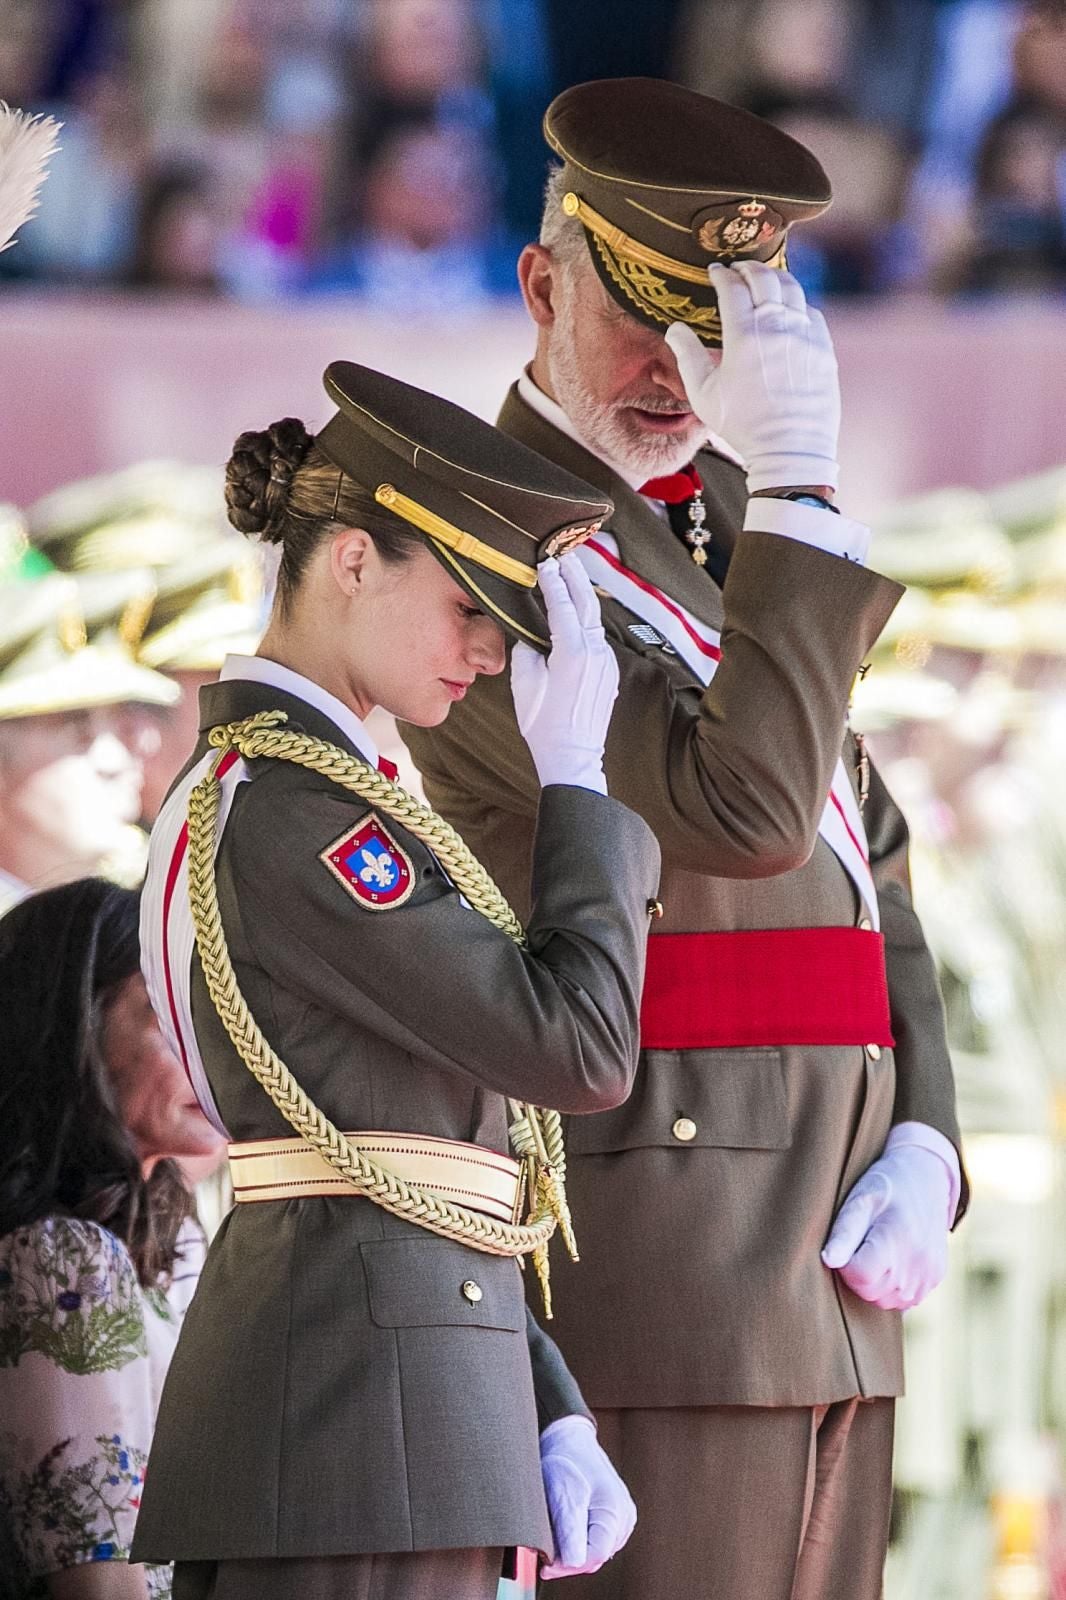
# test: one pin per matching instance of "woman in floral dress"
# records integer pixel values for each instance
(99, 1247)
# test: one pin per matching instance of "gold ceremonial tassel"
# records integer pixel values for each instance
(554, 1197)
(543, 1271)
(544, 1163)
(551, 1197)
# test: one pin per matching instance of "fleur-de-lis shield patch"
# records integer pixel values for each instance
(371, 865)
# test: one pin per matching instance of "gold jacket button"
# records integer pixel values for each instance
(874, 1052)
(472, 1291)
(684, 1129)
(655, 909)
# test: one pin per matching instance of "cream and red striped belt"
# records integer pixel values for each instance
(467, 1174)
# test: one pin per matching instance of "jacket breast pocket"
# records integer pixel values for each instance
(724, 1099)
(433, 1283)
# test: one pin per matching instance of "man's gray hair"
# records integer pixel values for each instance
(562, 235)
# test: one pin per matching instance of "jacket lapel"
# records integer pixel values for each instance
(647, 544)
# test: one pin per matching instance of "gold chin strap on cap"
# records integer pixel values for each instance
(536, 1133)
(464, 544)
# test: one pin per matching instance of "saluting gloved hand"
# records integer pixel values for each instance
(563, 702)
(889, 1241)
(592, 1512)
(775, 397)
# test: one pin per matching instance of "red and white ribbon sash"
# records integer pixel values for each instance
(167, 935)
(700, 647)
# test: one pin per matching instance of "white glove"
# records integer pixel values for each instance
(563, 702)
(889, 1241)
(592, 1512)
(775, 397)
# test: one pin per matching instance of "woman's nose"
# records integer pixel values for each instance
(490, 651)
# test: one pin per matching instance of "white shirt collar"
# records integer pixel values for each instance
(553, 412)
(259, 669)
(12, 889)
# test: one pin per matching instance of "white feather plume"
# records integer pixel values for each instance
(26, 146)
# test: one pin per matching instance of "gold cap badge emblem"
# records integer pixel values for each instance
(736, 229)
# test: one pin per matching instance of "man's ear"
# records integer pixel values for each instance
(348, 558)
(537, 270)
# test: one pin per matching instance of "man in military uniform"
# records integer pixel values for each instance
(70, 780)
(782, 1181)
(205, 586)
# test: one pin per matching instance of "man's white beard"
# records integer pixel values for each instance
(617, 439)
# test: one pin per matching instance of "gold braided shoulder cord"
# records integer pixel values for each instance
(536, 1134)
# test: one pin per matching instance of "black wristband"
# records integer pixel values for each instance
(805, 497)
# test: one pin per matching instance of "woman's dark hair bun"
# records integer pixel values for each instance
(259, 474)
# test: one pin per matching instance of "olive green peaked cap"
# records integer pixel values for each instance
(666, 181)
(489, 508)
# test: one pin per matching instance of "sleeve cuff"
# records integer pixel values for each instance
(922, 1137)
(564, 1425)
(836, 535)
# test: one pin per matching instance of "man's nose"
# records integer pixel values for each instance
(111, 757)
(666, 374)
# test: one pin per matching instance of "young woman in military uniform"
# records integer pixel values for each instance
(359, 1405)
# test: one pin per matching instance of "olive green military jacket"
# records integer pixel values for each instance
(700, 1281)
(333, 1390)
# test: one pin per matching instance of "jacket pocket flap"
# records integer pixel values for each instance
(684, 1099)
(433, 1283)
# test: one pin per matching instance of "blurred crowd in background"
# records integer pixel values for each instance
(391, 148)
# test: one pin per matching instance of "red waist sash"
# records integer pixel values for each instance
(773, 986)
